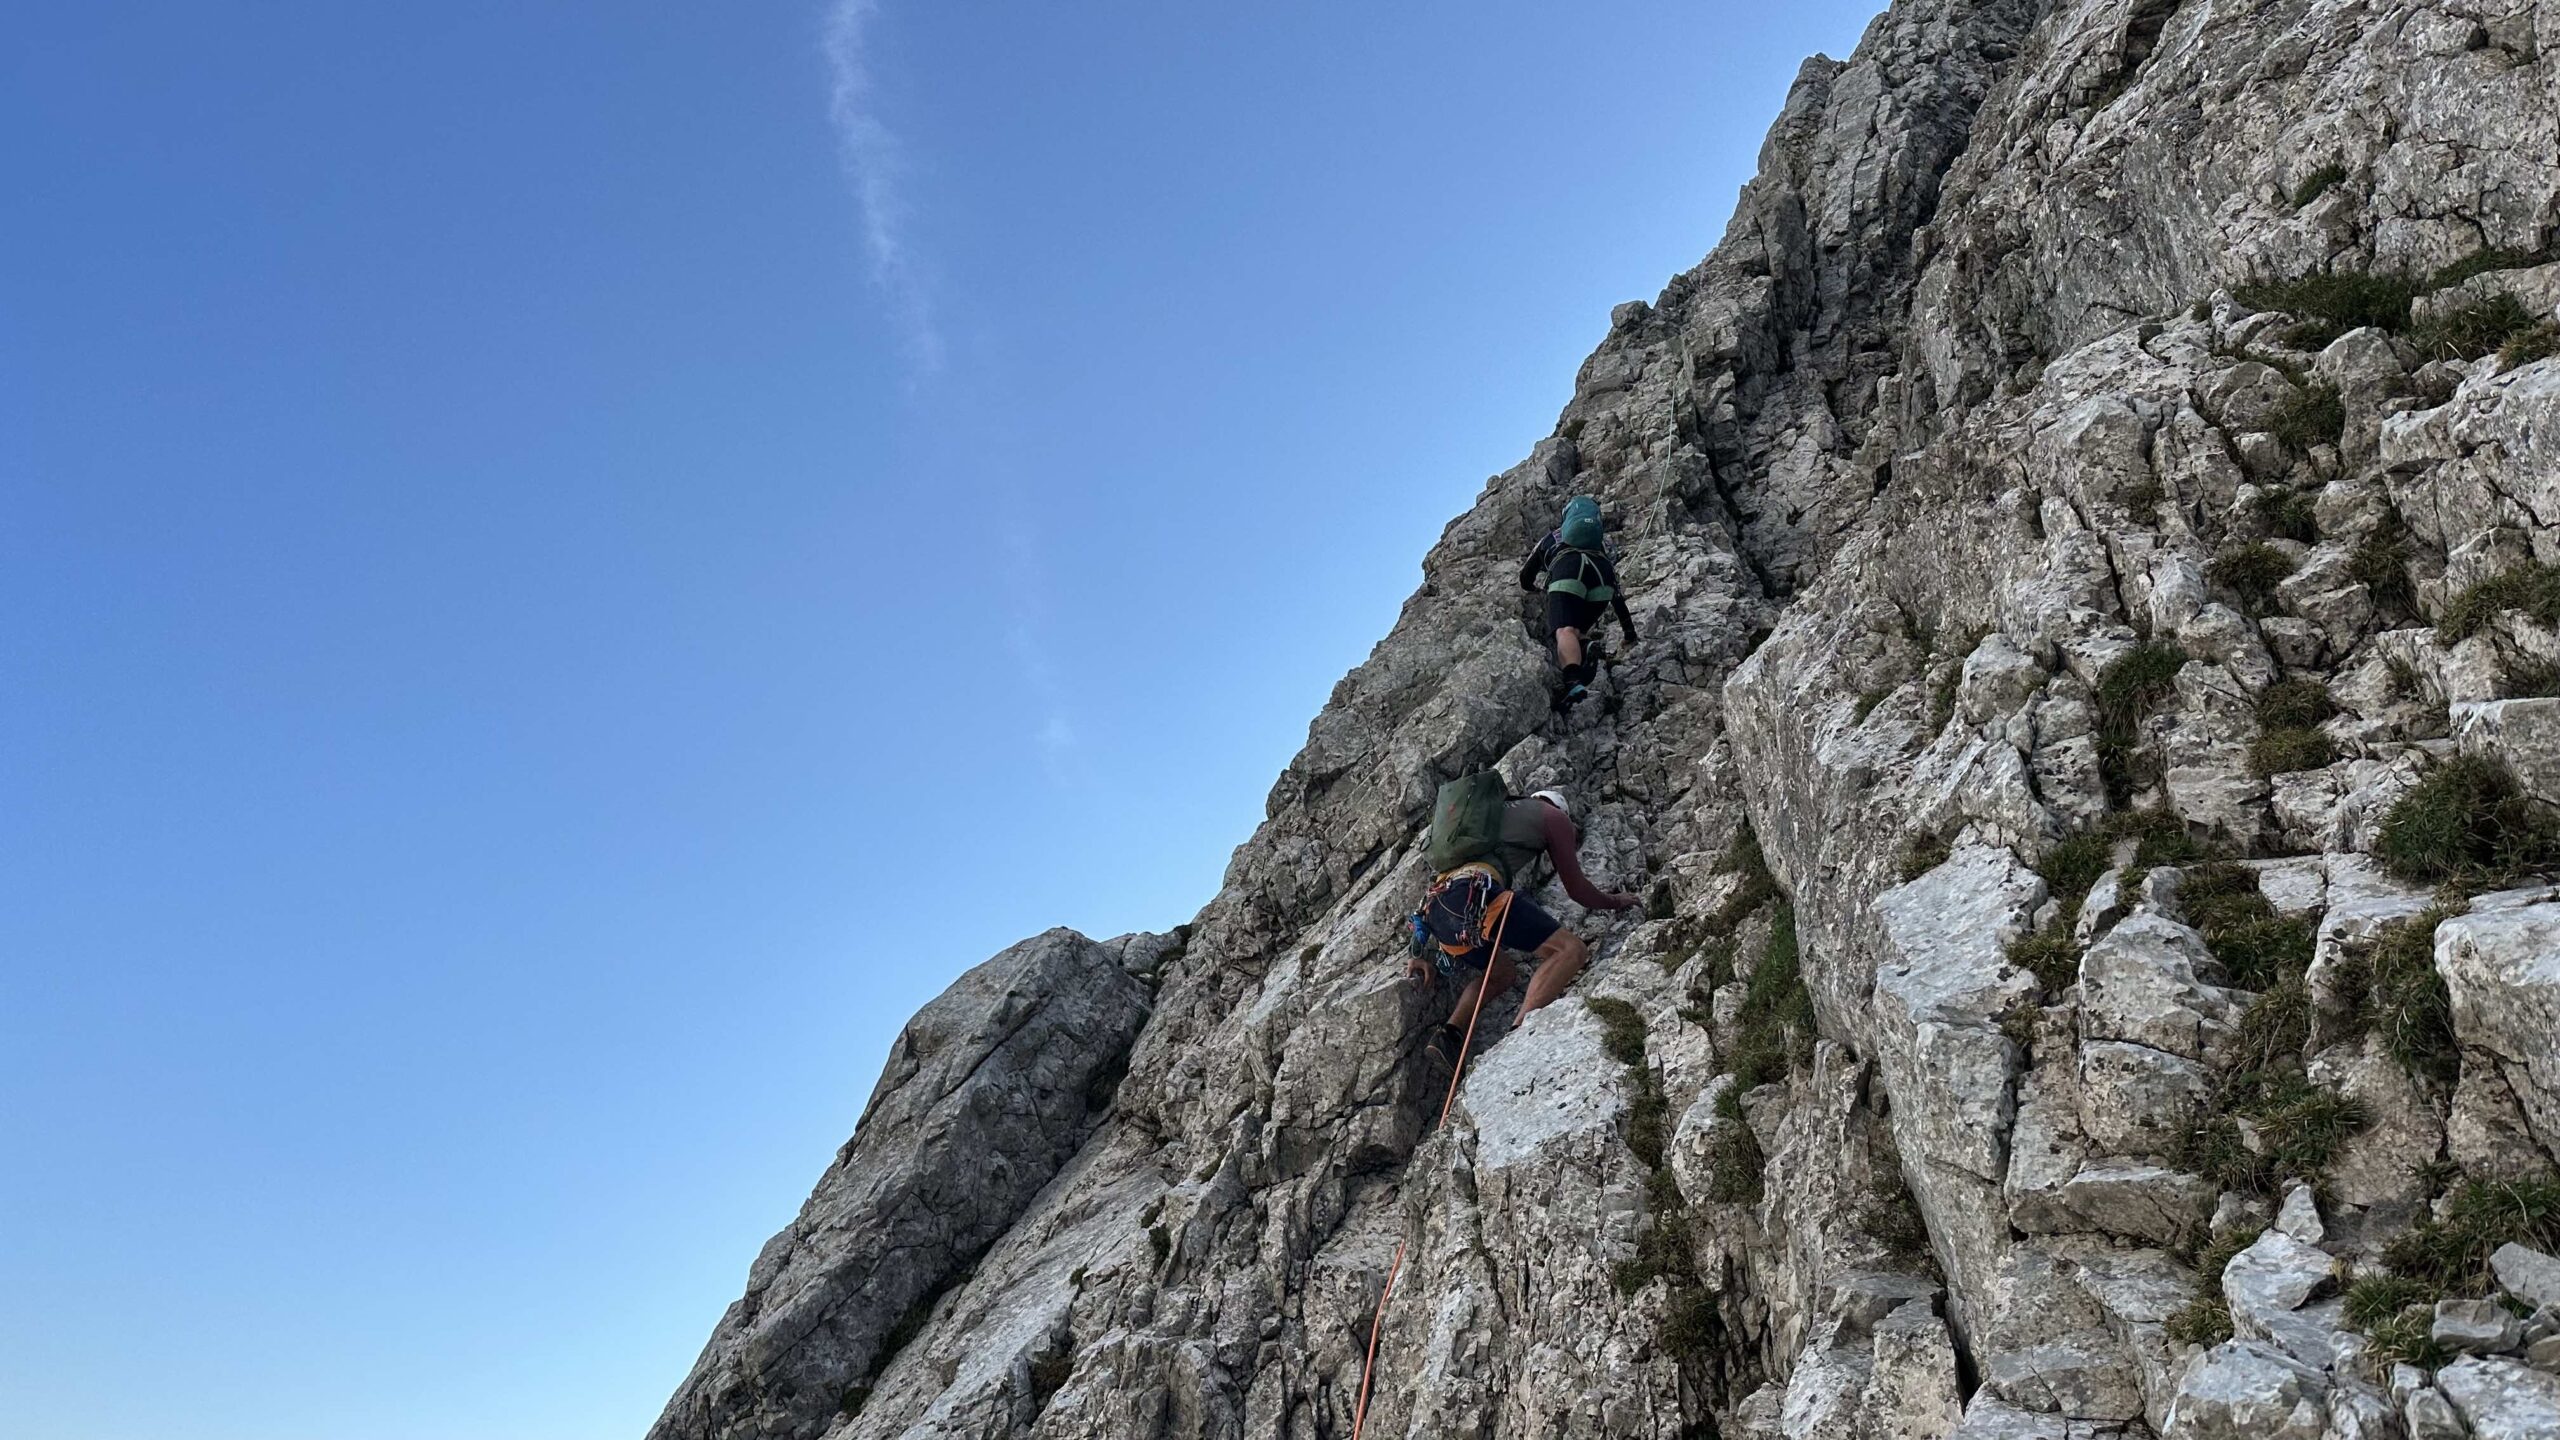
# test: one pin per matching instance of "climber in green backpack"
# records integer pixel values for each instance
(1581, 585)
(1482, 842)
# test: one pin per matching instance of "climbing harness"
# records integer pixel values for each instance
(1587, 582)
(1360, 1412)
(1462, 909)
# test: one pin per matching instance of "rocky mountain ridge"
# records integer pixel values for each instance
(2095, 528)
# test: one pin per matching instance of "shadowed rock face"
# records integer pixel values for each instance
(1966, 407)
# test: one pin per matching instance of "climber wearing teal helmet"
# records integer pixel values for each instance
(1581, 582)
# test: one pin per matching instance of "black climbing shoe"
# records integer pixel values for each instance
(1443, 1045)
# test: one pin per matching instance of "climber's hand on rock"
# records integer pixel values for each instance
(1418, 970)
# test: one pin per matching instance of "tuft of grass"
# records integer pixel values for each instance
(2074, 865)
(2259, 948)
(2533, 589)
(1868, 701)
(2313, 415)
(1664, 1250)
(2144, 495)
(2285, 515)
(1736, 1169)
(1649, 1124)
(2289, 711)
(2380, 563)
(2261, 954)
(2476, 329)
(2376, 1298)
(2130, 689)
(2296, 704)
(1922, 852)
(2252, 570)
(2050, 954)
(2539, 343)
(2301, 1127)
(2406, 1338)
(1621, 1028)
(2283, 751)
(2220, 895)
(2331, 304)
(1693, 1330)
(1775, 1028)
(2318, 183)
(2018, 1024)
(2452, 1250)
(2306, 1127)
(2403, 997)
(2206, 1319)
(1744, 858)
(2467, 822)
(1660, 904)
(2275, 1029)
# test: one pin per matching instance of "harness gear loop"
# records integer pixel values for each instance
(1378, 1323)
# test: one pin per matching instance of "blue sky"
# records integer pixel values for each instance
(565, 566)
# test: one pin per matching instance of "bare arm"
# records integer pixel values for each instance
(1564, 851)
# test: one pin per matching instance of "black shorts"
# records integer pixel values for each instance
(1571, 612)
(1526, 928)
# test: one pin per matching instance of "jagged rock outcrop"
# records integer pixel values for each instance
(988, 1090)
(2095, 528)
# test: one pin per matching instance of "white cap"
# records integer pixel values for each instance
(1555, 798)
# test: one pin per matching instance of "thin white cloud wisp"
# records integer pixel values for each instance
(875, 162)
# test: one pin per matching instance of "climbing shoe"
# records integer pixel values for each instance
(1443, 1044)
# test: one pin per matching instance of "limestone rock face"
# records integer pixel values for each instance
(988, 1091)
(1981, 395)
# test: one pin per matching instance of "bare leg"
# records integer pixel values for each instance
(1502, 973)
(1568, 647)
(1559, 961)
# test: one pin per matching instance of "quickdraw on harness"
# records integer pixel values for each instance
(1461, 912)
(1588, 580)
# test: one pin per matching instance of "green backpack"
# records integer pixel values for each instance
(1466, 822)
(1581, 527)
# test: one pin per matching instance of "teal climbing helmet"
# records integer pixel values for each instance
(1581, 527)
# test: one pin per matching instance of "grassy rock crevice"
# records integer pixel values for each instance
(2289, 737)
(2467, 823)
(2206, 1319)
(2531, 589)
(2266, 1121)
(2448, 1254)
(1692, 1327)
(2130, 690)
(2395, 991)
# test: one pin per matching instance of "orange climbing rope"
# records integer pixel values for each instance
(1360, 1413)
